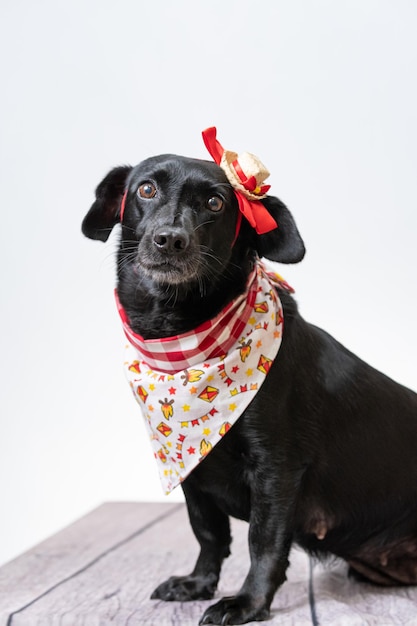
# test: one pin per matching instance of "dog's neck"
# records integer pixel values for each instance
(158, 310)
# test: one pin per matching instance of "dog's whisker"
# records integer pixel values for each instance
(212, 256)
(201, 286)
(129, 228)
(202, 224)
(126, 259)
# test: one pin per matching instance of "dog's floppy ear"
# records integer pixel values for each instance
(105, 211)
(284, 244)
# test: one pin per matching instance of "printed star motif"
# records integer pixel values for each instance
(252, 321)
(186, 407)
(232, 407)
(150, 408)
(259, 344)
(249, 372)
(235, 369)
(206, 431)
(193, 390)
(191, 450)
(151, 387)
(172, 390)
(277, 334)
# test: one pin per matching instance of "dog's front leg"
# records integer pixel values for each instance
(212, 530)
(270, 537)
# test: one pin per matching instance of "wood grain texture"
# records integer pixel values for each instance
(102, 570)
(343, 602)
(61, 556)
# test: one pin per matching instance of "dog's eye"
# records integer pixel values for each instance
(215, 203)
(147, 190)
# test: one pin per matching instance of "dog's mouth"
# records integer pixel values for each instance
(169, 271)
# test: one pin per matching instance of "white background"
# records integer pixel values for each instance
(323, 91)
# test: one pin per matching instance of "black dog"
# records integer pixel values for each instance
(326, 453)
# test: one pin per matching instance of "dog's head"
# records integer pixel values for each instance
(180, 221)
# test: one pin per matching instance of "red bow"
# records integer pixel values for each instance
(254, 211)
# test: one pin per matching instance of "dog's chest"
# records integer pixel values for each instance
(193, 388)
(226, 475)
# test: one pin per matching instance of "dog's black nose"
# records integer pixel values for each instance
(171, 240)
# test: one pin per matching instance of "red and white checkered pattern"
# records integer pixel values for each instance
(211, 339)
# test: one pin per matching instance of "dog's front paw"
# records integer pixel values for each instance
(235, 610)
(184, 588)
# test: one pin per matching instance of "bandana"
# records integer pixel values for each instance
(193, 387)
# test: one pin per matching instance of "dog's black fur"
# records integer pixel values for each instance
(325, 455)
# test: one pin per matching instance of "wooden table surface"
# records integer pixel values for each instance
(102, 569)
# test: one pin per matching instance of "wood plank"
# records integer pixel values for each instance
(115, 588)
(61, 556)
(102, 570)
(341, 600)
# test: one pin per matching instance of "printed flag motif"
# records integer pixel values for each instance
(191, 398)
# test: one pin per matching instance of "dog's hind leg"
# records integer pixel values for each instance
(395, 564)
(212, 530)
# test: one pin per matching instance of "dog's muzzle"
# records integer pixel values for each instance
(169, 255)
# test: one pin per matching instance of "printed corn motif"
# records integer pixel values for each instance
(205, 447)
(167, 408)
(245, 350)
(192, 376)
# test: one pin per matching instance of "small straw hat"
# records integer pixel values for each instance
(246, 173)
